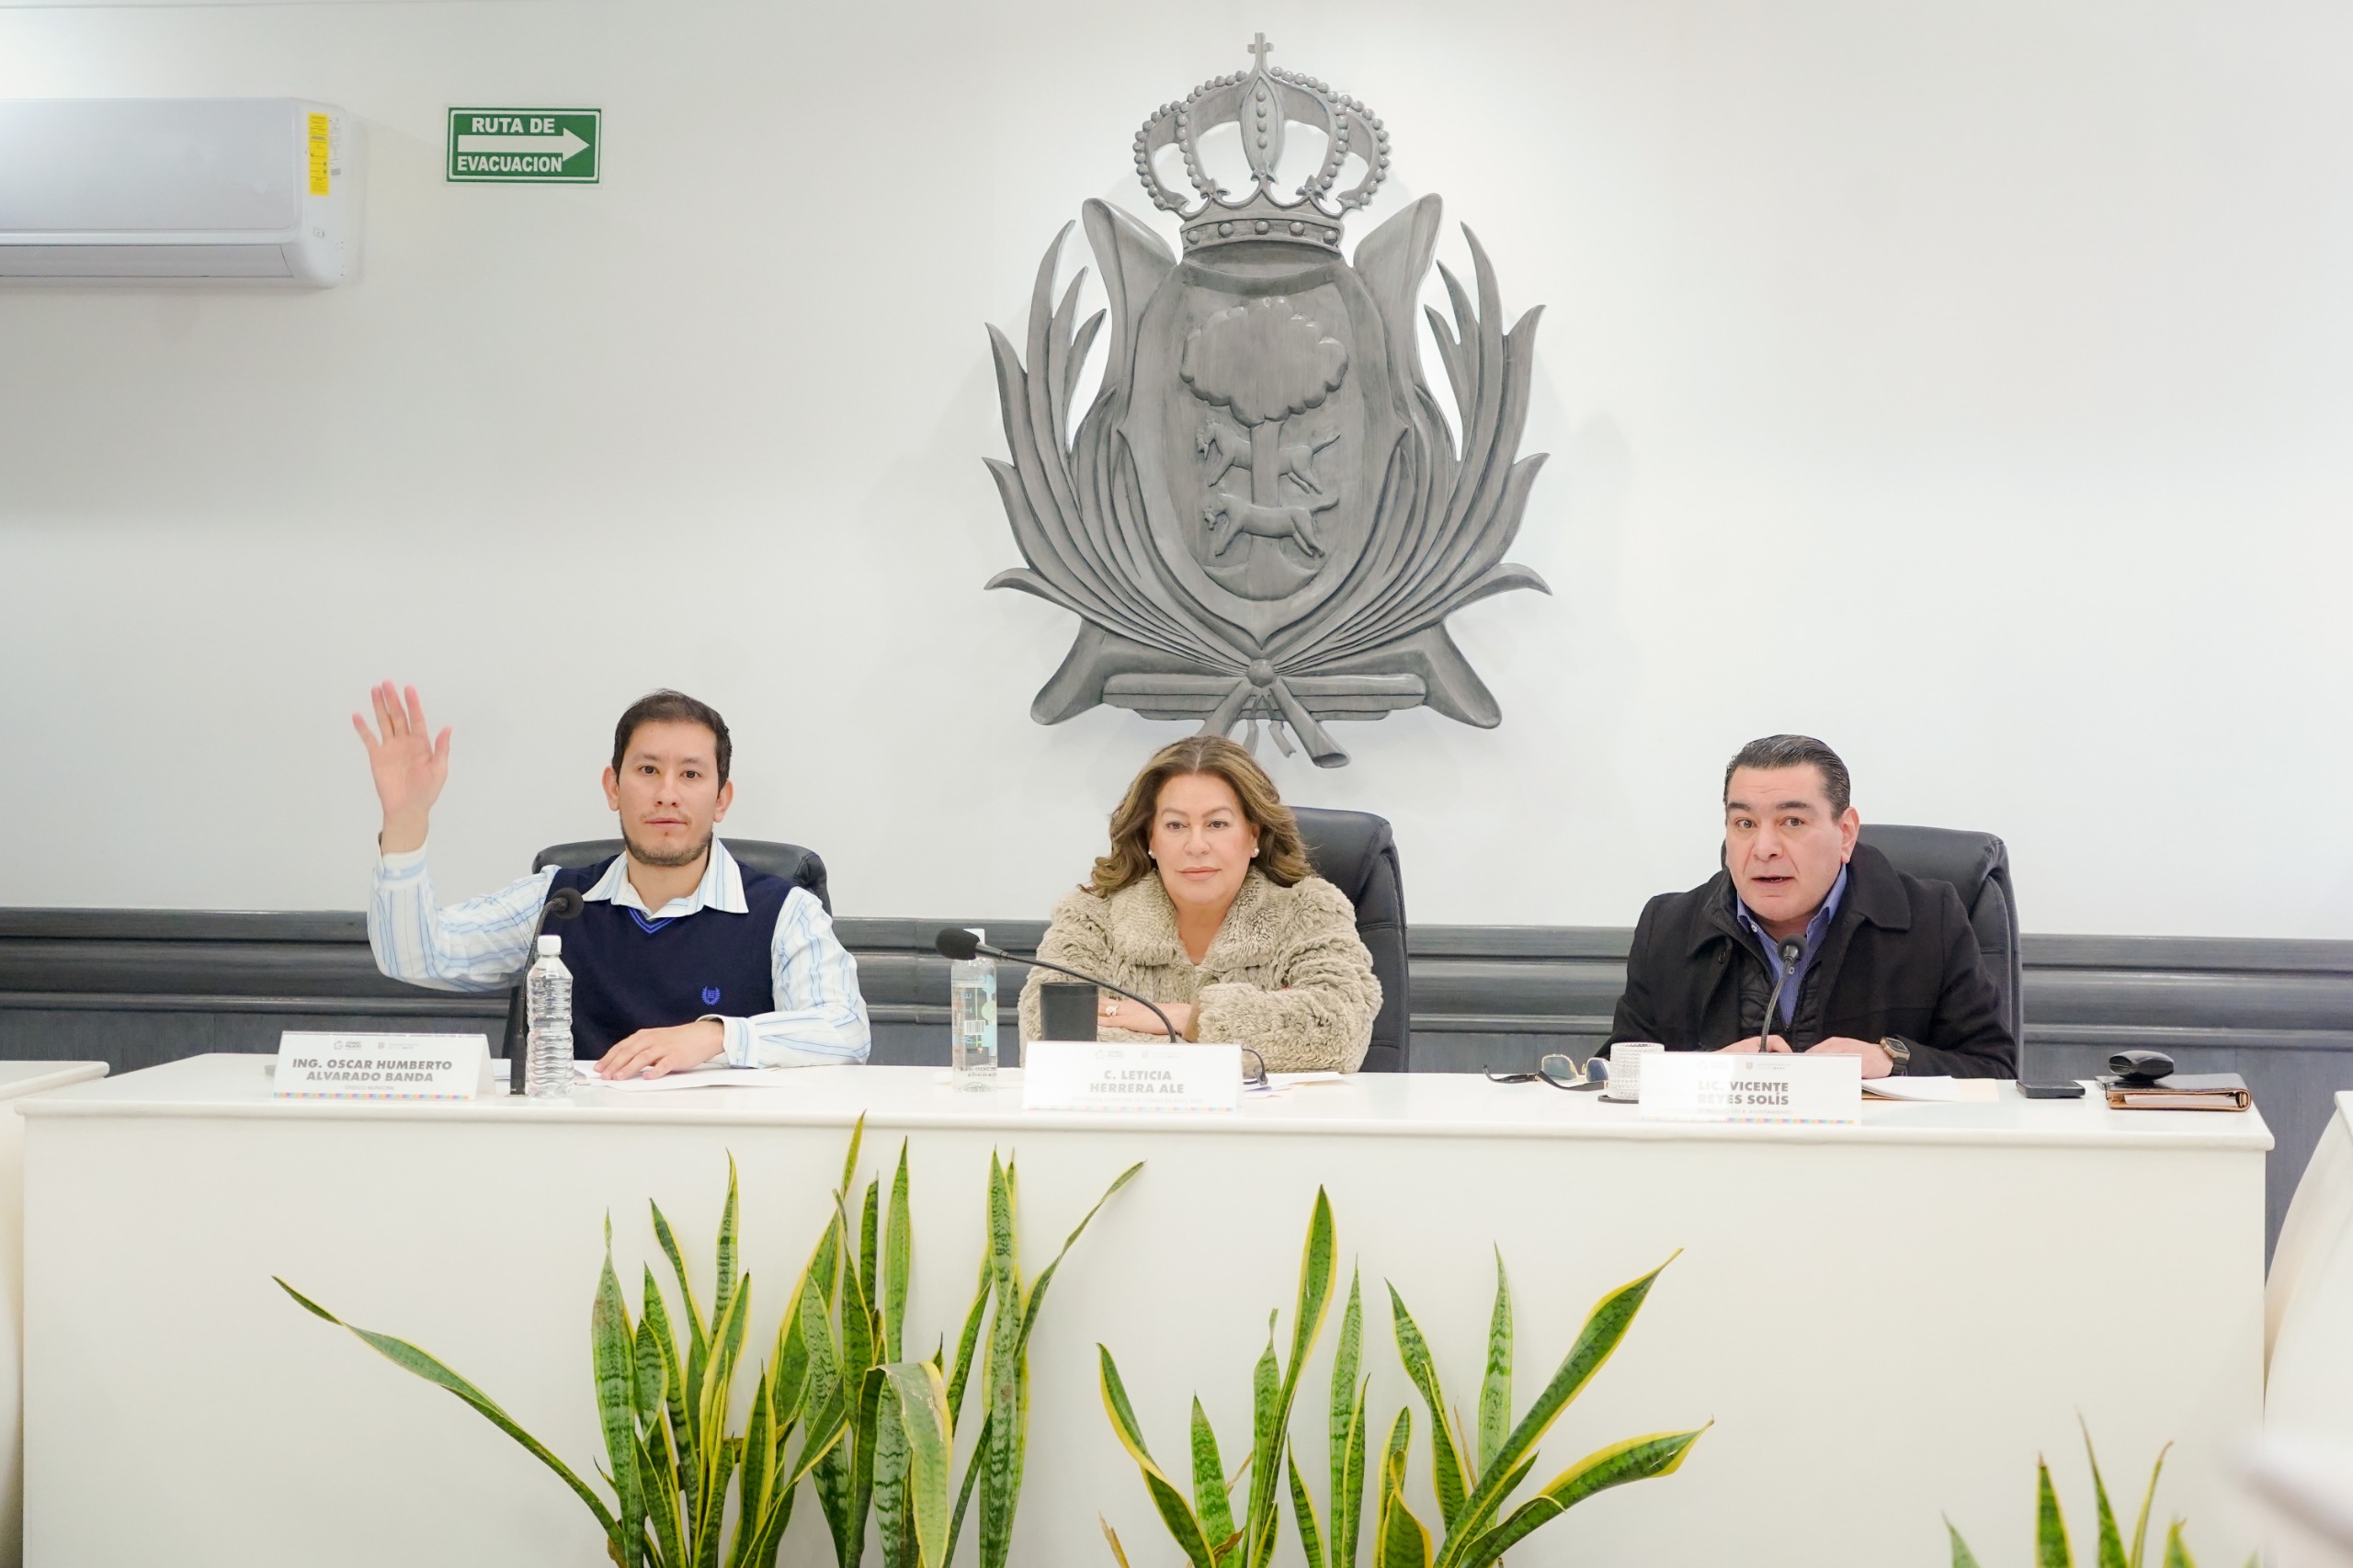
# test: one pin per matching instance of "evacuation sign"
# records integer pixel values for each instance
(525, 146)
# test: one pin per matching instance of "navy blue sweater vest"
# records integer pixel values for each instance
(631, 974)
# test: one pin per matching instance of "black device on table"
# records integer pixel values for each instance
(2130, 1068)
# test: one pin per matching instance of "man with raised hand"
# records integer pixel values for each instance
(678, 954)
(1886, 966)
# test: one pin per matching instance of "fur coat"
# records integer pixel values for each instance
(1286, 974)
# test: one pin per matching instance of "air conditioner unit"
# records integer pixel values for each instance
(159, 188)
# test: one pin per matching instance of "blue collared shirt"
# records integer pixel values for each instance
(1813, 933)
(484, 944)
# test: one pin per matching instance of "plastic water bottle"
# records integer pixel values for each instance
(971, 1000)
(547, 1070)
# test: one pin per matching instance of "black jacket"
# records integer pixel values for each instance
(1901, 959)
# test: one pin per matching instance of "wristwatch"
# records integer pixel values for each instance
(1899, 1052)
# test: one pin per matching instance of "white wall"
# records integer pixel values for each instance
(1966, 384)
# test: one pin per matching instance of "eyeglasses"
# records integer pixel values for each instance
(1560, 1070)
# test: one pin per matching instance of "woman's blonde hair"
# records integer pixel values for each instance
(1282, 854)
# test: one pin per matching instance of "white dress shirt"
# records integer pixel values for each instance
(484, 944)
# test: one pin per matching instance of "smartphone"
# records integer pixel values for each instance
(2050, 1091)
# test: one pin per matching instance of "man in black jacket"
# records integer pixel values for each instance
(1873, 963)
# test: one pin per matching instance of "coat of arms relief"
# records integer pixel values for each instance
(1264, 514)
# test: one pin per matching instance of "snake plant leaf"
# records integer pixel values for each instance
(1303, 1509)
(869, 1256)
(407, 1357)
(717, 1453)
(968, 1341)
(889, 1478)
(612, 1347)
(2051, 1549)
(674, 1382)
(1176, 1512)
(964, 1493)
(1347, 1357)
(849, 1161)
(787, 1371)
(1961, 1556)
(697, 1337)
(725, 1288)
(2141, 1525)
(1000, 1374)
(857, 1304)
(1400, 1542)
(646, 1367)
(726, 1348)
(1037, 1297)
(1308, 1311)
(1473, 1524)
(1266, 1434)
(1348, 1502)
(929, 1439)
(2109, 1550)
(705, 1545)
(1446, 1458)
(2176, 1554)
(1604, 1325)
(756, 1477)
(898, 1257)
(1636, 1458)
(1494, 1389)
(656, 1460)
(1119, 1553)
(1210, 1487)
(859, 1441)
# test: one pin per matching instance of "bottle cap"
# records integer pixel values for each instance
(550, 946)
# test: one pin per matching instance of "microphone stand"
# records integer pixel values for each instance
(1174, 1038)
(1792, 949)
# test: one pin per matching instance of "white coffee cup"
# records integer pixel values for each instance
(1626, 1068)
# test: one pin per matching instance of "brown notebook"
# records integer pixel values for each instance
(2181, 1091)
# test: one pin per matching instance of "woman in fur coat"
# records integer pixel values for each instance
(1206, 904)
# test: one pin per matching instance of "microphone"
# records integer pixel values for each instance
(955, 942)
(564, 904)
(1791, 950)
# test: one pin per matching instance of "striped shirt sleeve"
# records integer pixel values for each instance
(820, 1018)
(484, 944)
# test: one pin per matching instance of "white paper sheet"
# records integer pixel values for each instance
(693, 1078)
(1945, 1091)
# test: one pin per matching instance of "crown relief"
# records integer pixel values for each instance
(1261, 102)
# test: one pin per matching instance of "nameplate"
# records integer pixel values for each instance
(1705, 1086)
(1083, 1075)
(380, 1066)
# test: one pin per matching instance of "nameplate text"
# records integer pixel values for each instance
(1083, 1075)
(380, 1066)
(1704, 1086)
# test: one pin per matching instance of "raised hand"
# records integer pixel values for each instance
(409, 762)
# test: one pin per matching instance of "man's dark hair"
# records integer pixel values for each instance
(1792, 751)
(668, 707)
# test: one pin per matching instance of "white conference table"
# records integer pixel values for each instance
(19, 1079)
(1886, 1322)
(2308, 1342)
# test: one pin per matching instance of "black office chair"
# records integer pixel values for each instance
(1355, 852)
(1977, 865)
(802, 867)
